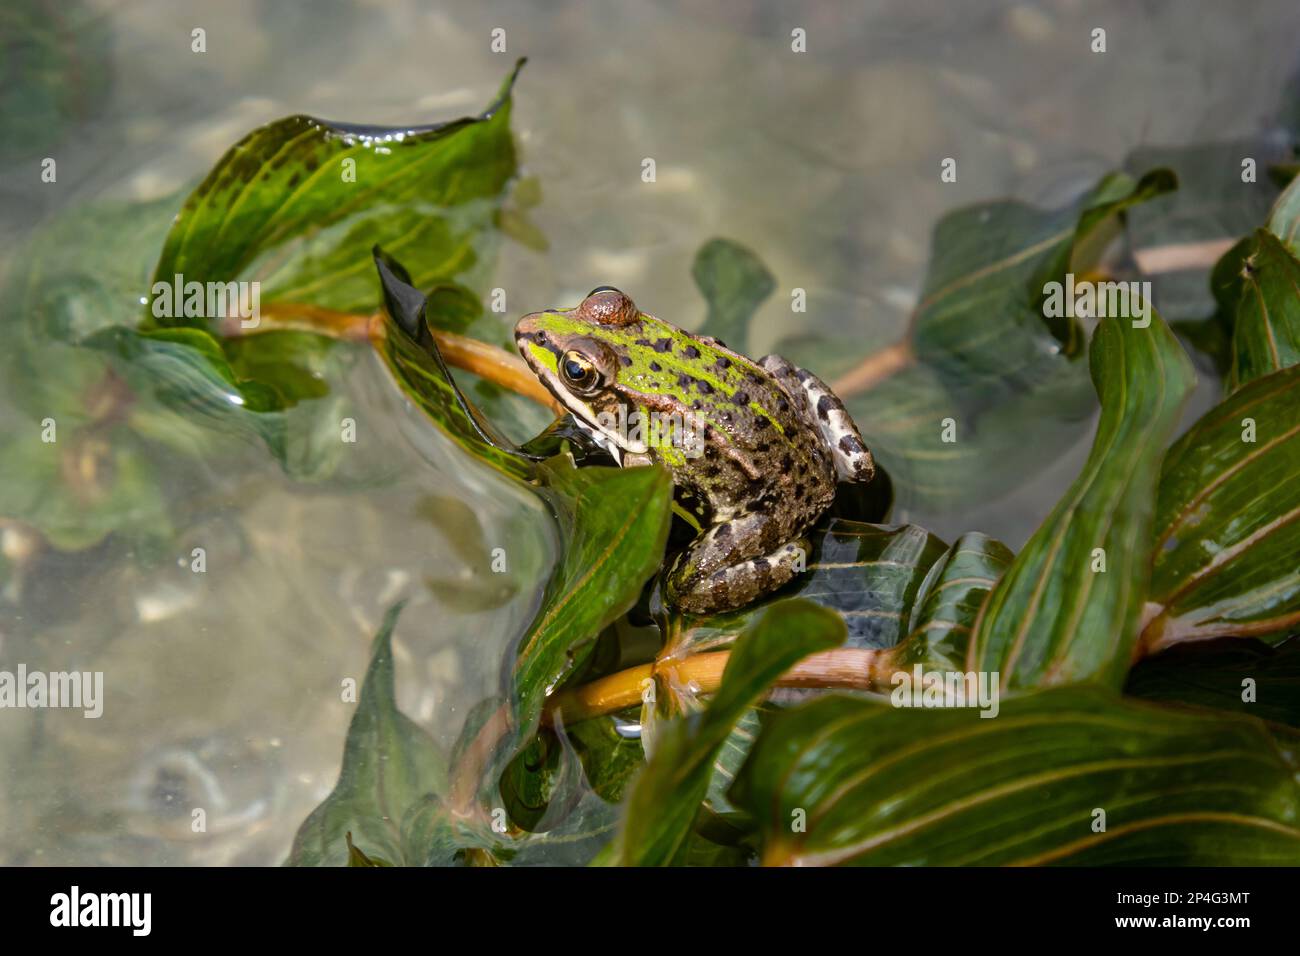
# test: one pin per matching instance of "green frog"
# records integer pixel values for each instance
(755, 449)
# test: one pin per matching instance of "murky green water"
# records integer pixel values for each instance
(222, 688)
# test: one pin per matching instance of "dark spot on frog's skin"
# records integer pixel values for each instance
(656, 367)
(626, 360)
(803, 375)
(644, 343)
(782, 405)
(724, 531)
(293, 180)
(787, 463)
(824, 406)
(758, 504)
(712, 471)
(691, 352)
(754, 377)
(740, 398)
(664, 345)
(762, 422)
(723, 362)
(705, 387)
(760, 564)
(311, 162)
(684, 380)
(762, 448)
(697, 404)
(798, 489)
(851, 446)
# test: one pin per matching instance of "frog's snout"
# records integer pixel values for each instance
(531, 329)
(526, 328)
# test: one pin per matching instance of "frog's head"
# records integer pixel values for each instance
(578, 355)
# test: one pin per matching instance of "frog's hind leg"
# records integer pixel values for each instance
(733, 563)
(853, 461)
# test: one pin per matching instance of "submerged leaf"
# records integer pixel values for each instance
(390, 764)
(735, 283)
(965, 406)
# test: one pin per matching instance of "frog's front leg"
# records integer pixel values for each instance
(733, 563)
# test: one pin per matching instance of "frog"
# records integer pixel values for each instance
(756, 449)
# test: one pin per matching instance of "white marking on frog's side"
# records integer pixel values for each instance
(853, 461)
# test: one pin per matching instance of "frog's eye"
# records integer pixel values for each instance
(579, 372)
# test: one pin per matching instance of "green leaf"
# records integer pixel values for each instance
(1267, 334)
(1227, 523)
(874, 785)
(735, 283)
(614, 522)
(356, 857)
(944, 611)
(186, 371)
(1213, 335)
(283, 206)
(417, 372)
(1284, 220)
(1055, 616)
(1245, 676)
(731, 755)
(296, 365)
(390, 764)
(609, 759)
(667, 796)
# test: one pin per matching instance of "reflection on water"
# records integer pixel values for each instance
(223, 686)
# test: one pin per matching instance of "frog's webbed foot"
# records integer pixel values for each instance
(713, 574)
(853, 461)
